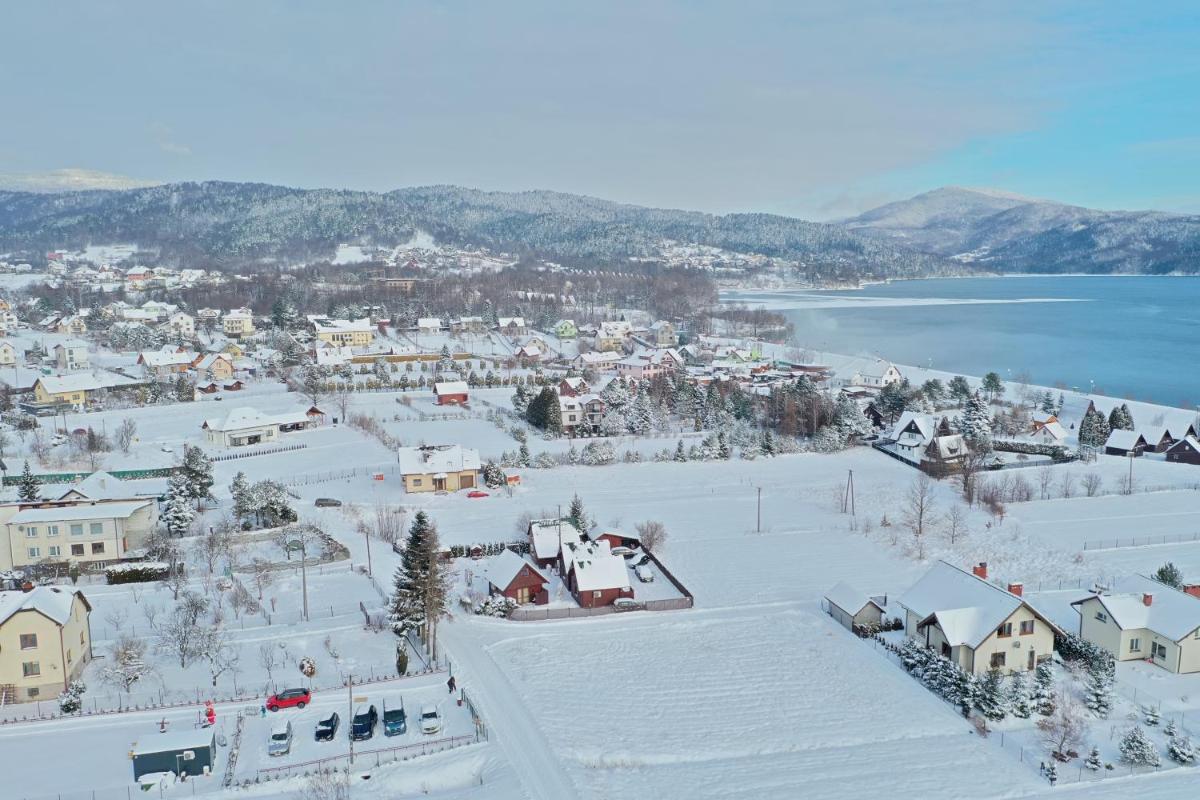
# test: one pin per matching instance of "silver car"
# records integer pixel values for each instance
(281, 739)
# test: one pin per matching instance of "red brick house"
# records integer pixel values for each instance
(451, 393)
(595, 576)
(572, 387)
(512, 576)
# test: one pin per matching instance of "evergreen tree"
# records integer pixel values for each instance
(493, 476)
(523, 457)
(992, 386)
(849, 420)
(243, 501)
(1062, 399)
(893, 399)
(680, 453)
(1018, 696)
(958, 389)
(178, 512)
(1052, 772)
(197, 471)
(406, 612)
(933, 391)
(1137, 750)
(29, 488)
(723, 450)
(1170, 575)
(577, 516)
(1093, 429)
(990, 701)
(976, 423)
(520, 399)
(1047, 406)
(1093, 761)
(1041, 696)
(1180, 749)
(1098, 696)
(967, 691)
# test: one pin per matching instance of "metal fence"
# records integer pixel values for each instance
(1140, 541)
(264, 451)
(365, 759)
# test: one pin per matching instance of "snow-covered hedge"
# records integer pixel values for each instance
(1055, 451)
(137, 572)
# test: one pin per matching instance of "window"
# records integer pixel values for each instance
(28, 641)
(997, 659)
(33, 692)
(54, 550)
(1135, 645)
(1158, 650)
(70, 658)
(52, 530)
(35, 552)
(97, 547)
(31, 669)
(77, 529)
(81, 638)
(97, 528)
(1101, 616)
(76, 549)
(1004, 630)
(597, 595)
(1027, 627)
(31, 531)
(416, 481)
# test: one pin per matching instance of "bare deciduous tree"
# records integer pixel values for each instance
(126, 663)
(1092, 483)
(1066, 486)
(180, 633)
(1045, 481)
(956, 522)
(261, 575)
(126, 433)
(918, 510)
(653, 534)
(1064, 729)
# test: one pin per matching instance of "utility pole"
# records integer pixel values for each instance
(350, 711)
(848, 494)
(304, 575)
(758, 520)
(367, 536)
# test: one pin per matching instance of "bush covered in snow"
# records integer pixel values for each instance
(70, 701)
(1137, 750)
(496, 607)
(308, 667)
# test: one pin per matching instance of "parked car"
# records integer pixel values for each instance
(395, 720)
(289, 698)
(281, 739)
(477, 493)
(364, 722)
(627, 604)
(431, 718)
(622, 551)
(328, 502)
(644, 573)
(327, 727)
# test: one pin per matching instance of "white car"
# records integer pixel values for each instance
(621, 551)
(281, 739)
(431, 718)
(644, 573)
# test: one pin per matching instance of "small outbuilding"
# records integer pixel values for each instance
(1185, 451)
(188, 752)
(451, 393)
(512, 576)
(1125, 443)
(853, 608)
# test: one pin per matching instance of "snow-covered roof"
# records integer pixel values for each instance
(849, 599)
(450, 387)
(101, 485)
(437, 458)
(503, 568)
(949, 446)
(1171, 613)
(245, 417)
(516, 322)
(1124, 440)
(547, 536)
(607, 357)
(180, 739)
(1054, 428)
(967, 608)
(53, 601)
(1187, 442)
(595, 566)
(162, 358)
(924, 423)
(79, 511)
(212, 358)
(76, 382)
(429, 322)
(325, 325)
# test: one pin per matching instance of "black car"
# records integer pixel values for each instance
(364, 722)
(327, 727)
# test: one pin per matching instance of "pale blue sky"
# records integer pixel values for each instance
(815, 110)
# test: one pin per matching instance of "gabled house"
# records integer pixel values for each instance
(8, 354)
(343, 332)
(73, 325)
(215, 366)
(181, 325)
(238, 323)
(664, 334)
(573, 387)
(512, 326)
(45, 642)
(429, 325)
(82, 532)
(547, 538)
(596, 361)
(1125, 443)
(565, 329)
(976, 624)
(511, 576)
(166, 362)
(852, 608)
(438, 468)
(1142, 619)
(248, 426)
(611, 336)
(1185, 451)
(451, 393)
(71, 355)
(1048, 431)
(594, 575)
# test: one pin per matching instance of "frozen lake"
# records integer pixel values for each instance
(1125, 336)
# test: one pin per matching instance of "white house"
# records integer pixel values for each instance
(1143, 619)
(8, 354)
(71, 355)
(976, 624)
(249, 426)
(429, 325)
(853, 608)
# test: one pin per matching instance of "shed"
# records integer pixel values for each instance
(1125, 443)
(853, 608)
(451, 393)
(517, 579)
(190, 752)
(1185, 451)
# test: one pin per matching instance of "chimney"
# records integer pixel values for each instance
(980, 570)
(1147, 599)
(1193, 589)
(1016, 588)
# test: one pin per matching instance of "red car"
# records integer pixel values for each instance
(477, 493)
(288, 698)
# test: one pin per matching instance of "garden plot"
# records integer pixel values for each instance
(694, 706)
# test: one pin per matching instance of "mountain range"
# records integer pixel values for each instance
(952, 230)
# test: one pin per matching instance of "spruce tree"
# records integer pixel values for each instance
(406, 612)
(1041, 696)
(1047, 406)
(1098, 697)
(1018, 696)
(1093, 429)
(577, 516)
(178, 512)
(197, 470)
(1137, 750)
(991, 695)
(1181, 750)
(967, 691)
(243, 501)
(1170, 575)
(29, 488)
(976, 423)
(680, 453)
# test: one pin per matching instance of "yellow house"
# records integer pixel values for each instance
(974, 623)
(1143, 619)
(45, 641)
(342, 332)
(73, 325)
(238, 322)
(218, 366)
(440, 468)
(88, 533)
(233, 350)
(70, 389)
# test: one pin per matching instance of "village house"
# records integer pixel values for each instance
(429, 325)
(342, 332)
(663, 334)
(71, 355)
(8, 354)
(181, 325)
(166, 362)
(468, 325)
(511, 326)
(214, 366)
(73, 325)
(72, 390)
(45, 642)
(649, 364)
(579, 413)
(438, 468)
(852, 608)
(1142, 619)
(611, 336)
(594, 575)
(1048, 431)
(1124, 443)
(511, 576)
(565, 329)
(1185, 451)
(238, 323)
(975, 623)
(451, 393)
(246, 426)
(547, 538)
(573, 387)
(86, 533)
(529, 352)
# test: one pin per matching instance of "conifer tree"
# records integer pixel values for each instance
(1093, 761)
(1041, 696)
(680, 453)
(577, 516)
(197, 470)
(990, 701)
(967, 691)
(178, 512)
(1098, 697)
(29, 488)
(243, 501)
(1018, 696)
(406, 611)
(976, 423)
(1137, 750)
